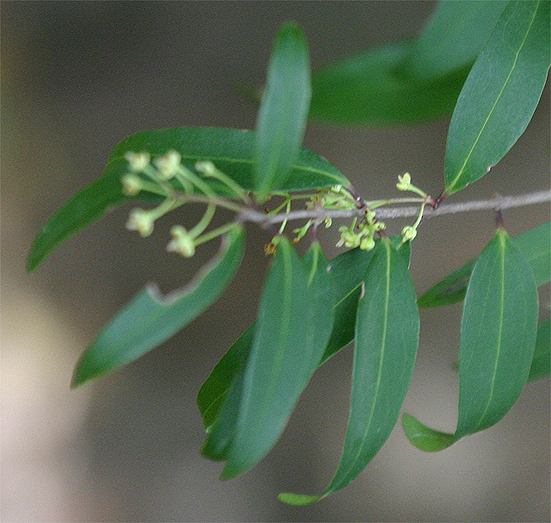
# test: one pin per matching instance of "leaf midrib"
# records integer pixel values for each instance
(477, 139)
(379, 369)
(500, 329)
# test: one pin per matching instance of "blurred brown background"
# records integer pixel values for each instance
(77, 77)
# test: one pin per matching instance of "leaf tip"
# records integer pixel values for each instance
(423, 437)
(298, 500)
(230, 471)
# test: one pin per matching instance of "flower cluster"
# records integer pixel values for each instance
(362, 234)
(168, 177)
(163, 177)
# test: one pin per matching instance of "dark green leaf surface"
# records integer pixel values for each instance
(453, 38)
(500, 94)
(347, 271)
(283, 110)
(498, 334)
(150, 319)
(365, 89)
(294, 323)
(534, 244)
(387, 335)
(213, 391)
(541, 366)
(231, 150)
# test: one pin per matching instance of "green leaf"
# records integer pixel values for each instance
(534, 244)
(498, 334)
(150, 319)
(347, 271)
(294, 323)
(283, 110)
(541, 366)
(453, 38)
(423, 437)
(364, 89)
(231, 150)
(213, 391)
(500, 94)
(387, 335)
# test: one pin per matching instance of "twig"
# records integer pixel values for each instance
(500, 202)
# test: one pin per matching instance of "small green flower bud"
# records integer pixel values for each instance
(206, 167)
(367, 244)
(137, 162)
(409, 233)
(370, 215)
(351, 240)
(132, 184)
(404, 182)
(168, 164)
(141, 221)
(182, 242)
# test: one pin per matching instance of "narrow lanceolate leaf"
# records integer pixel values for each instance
(500, 94)
(347, 272)
(150, 319)
(213, 392)
(283, 111)
(453, 38)
(294, 323)
(541, 363)
(231, 150)
(534, 244)
(365, 89)
(387, 335)
(498, 334)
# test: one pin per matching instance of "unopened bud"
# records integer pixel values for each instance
(168, 164)
(404, 182)
(206, 167)
(182, 242)
(132, 184)
(141, 221)
(137, 162)
(409, 233)
(367, 244)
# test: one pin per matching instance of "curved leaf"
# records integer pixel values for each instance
(231, 150)
(423, 437)
(453, 38)
(534, 244)
(150, 319)
(387, 335)
(283, 110)
(500, 94)
(365, 89)
(213, 392)
(498, 334)
(293, 326)
(541, 362)
(347, 272)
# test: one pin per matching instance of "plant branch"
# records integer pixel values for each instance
(499, 202)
